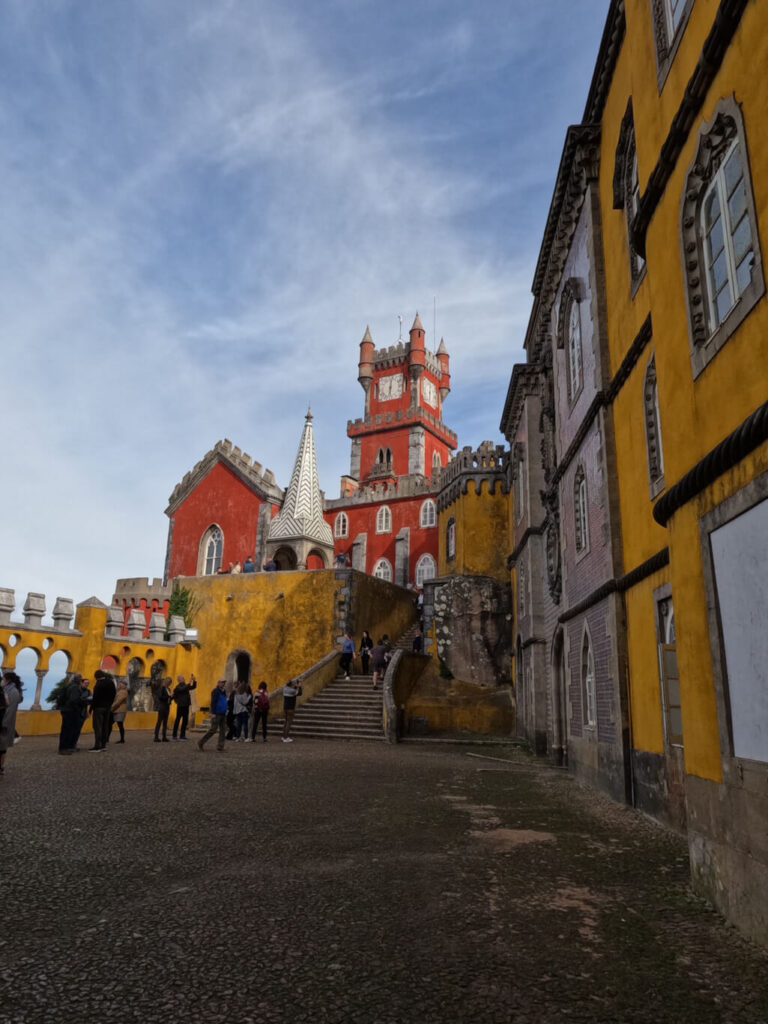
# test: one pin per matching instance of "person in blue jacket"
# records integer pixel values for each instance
(218, 715)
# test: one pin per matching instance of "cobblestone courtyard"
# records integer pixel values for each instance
(347, 882)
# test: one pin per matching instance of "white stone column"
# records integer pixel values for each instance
(41, 673)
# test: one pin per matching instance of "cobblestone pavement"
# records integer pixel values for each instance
(351, 882)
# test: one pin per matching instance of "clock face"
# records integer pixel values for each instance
(390, 387)
(429, 392)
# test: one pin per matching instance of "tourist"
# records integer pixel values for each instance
(366, 643)
(12, 691)
(418, 642)
(181, 695)
(235, 568)
(218, 716)
(270, 565)
(260, 711)
(241, 710)
(291, 691)
(249, 565)
(104, 693)
(119, 708)
(341, 560)
(379, 658)
(347, 654)
(71, 705)
(164, 698)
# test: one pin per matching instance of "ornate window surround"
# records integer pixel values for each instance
(714, 141)
(653, 445)
(341, 525)
(581, 511)
(667, 37)
(208, 562)
(384, 520)
(426, 569)
(626, 190)
(450, 539)
(383, 570)
(588, 685)
(572, 294)
(428, 514)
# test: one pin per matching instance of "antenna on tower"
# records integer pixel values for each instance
(434, 321)
(400, 320)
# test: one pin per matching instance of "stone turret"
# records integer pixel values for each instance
(365, 367)
(445, 376)
(417, 358)
(299, 528)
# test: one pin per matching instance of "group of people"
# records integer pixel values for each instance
(248, 565)
(237, 716)
(375, 655)
(106, 704)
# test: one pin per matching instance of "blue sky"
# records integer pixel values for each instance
(205, 204)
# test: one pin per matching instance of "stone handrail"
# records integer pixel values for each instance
(388, 704)
(312, 681)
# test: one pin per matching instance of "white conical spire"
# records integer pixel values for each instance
(302, 513)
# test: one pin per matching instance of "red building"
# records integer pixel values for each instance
(385, 521)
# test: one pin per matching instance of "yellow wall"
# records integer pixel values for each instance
(450, 705)
(482, 533)
(695, 414)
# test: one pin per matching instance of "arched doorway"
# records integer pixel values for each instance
(238, 668)
(285, 558)
(315, 560)
(559, 704)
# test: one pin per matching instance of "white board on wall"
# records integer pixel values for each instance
(740, 556)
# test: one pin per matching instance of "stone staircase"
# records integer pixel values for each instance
(405, 642)
(347, 709)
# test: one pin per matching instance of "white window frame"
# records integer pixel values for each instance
(383, 570)
(341, 525)
(213, 534)
(428, 514)
(581, 511)
(384, 520)
(588, 684)
(426, 569)
(575, 352)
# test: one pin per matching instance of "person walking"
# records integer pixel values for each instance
(104, 693)
(260, 711)
(291, 691)
(242, 709)
(379, 658)
(218, 716)
(119, 708)
(347, 654)
(12, 692)
(163, 709)
(366, 643)
(181, 695)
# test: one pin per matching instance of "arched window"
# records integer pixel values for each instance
(384, 457)
(653, 429)
(341, 525)
(580, 510)
(721, 251)
(626, 188)
(588, 681)
(569, 336)
(428, 515)
(425, 569)
(437, 462)
(384, 520)
(211, 548)
(383, 570)
(450, 538)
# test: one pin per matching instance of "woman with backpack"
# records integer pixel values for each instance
(260, 711)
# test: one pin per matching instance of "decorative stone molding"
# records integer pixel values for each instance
(7, 605)
(402, 487)
(34, 609)
(608, 54)
(63, 613)
(370, 425)
(176, 629)
(156, 627)
(137, 623)
(115, 621)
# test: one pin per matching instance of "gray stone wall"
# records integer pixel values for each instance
(472, 616)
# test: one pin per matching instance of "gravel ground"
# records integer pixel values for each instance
(334, 882)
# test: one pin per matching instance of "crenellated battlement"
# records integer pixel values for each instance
(403, 487)
(135, 588)
(395, 355)
(418, 415)
(487, 463)
(241, 462)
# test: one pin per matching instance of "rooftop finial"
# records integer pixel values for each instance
(400, 332)
(309, 412)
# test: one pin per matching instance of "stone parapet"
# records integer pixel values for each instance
(372, 424)
(132, 589)
(488, 463)
(403, 487)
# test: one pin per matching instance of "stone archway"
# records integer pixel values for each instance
(238, 668)
(316, 560)
(286, 558)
